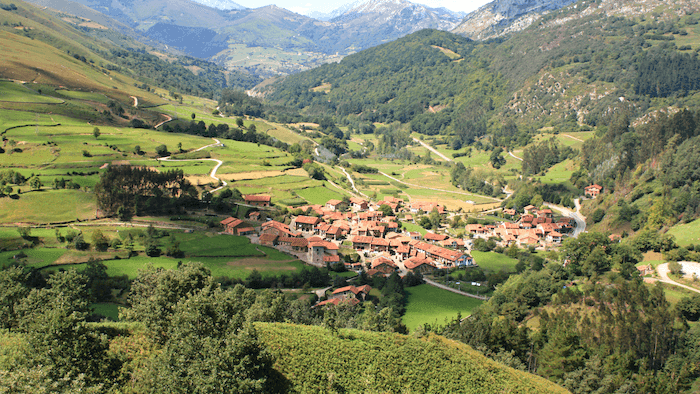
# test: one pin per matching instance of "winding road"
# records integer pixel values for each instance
(663, 271)
(213, 171)
(576, 215)
(430, 148)
(514, 156)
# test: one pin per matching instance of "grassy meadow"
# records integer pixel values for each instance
(429, 305)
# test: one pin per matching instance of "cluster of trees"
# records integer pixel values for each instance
(663, 73)
(542, 156)
(127, 190)
(207, 82)
(238, 103)
(467, 179)
(223, 130)
(618, 336)
(197, 335)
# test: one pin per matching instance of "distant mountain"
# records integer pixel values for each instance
(269, 40)
(221, 4)
(501, 16)
(396, 17)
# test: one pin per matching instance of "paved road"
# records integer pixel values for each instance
(213, 171)
(438, 285)
(430, 148)
(136, 101)
(663, 271)
(438, 190)
(576, 215)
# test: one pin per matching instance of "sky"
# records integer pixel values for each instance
(304, 7)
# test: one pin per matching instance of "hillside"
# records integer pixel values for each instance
(360, 361)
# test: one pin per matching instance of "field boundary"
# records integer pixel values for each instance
(448, 288)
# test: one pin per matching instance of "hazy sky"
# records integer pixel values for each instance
(306, 6)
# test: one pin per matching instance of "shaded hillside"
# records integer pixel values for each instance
(315, 359)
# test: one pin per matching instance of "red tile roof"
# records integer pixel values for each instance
(231, 222)
(257, 198)
(307, 219)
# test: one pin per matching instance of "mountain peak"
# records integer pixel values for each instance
(221, 4)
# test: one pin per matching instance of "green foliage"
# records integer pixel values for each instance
(540, 157)
(414, 367)
(140, 188)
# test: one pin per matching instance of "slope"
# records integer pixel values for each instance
(313, 359)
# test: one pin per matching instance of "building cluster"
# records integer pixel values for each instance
(363, 227)
(535, 227)
(317, 235)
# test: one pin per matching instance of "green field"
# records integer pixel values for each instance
(319, 195)
(493, 261)
(48, 206)
(428, 304)
(686, 234)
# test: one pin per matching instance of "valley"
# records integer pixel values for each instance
(525, 206)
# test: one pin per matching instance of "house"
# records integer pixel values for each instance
(230, 224)
(348, 292)
(318, 249)
(509, 212)
(306, 223)
(545, 213)
(333, 205)
(593, 190)
(257, 200)
(331, 259)
(383, 265)
(419, 265)
(432, 237)
(358, 204)
(415, 235)
(269, 239)
(245, 231)
(293, 244)
(554, 237)
(530, 209)
(645, 269)
(361, 242)
(255, 215)
(277, 228)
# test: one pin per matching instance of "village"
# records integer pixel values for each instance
(374, 231)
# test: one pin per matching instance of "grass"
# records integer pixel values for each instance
(428, 304)
(48, 207)
(319, 195)
(687, 233)
(36, 257)
(493, 261)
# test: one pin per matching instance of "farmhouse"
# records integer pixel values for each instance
(347, 292)
(420, 265)
(230, 224)
(593, 190)
(306, 223)
(257, 200)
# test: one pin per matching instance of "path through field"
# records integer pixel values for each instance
(352, 183)
(572, 137)
(430, 148)
(213, 171)
(514, 156)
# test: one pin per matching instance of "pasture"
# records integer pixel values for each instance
(430, 305)
(493, 261)
(687, 233)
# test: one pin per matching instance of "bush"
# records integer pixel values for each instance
(675, 267)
